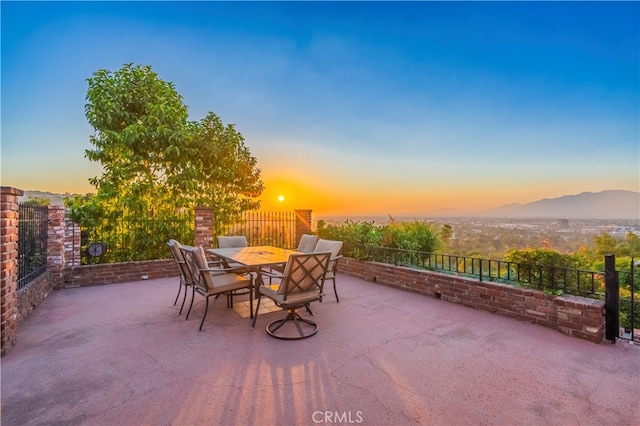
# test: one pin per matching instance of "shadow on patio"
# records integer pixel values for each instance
(119, 354)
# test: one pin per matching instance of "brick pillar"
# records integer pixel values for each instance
(204, 227)
(55, 244)
(9, 267)
(72, 242)
(303, 223)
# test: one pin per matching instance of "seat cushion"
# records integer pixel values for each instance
(229, 281)
(293, 300)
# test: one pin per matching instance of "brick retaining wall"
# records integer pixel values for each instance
(33, 295)
(575, 316)
(110, 273)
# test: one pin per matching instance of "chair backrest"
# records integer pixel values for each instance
(331, 246)
(304, 273)
(196, 261)
(232, 241)
(307, 243)
(176, 252)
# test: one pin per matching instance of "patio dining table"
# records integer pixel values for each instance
(254, 258)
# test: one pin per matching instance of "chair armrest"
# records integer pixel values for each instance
(220, 271)
(272, 274)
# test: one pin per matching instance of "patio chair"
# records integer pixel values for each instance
(300, 284)
(234, 241)
(229, 241)
(212, 282)
(307, 244)
(334, 247)
(186, 280)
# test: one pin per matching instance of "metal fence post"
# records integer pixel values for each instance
(611, 298)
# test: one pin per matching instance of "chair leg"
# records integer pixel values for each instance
(179, 290)
(251, 303)
(255, 316)
(193, 296)
(335, 291)
(184, 299)
(206, 309)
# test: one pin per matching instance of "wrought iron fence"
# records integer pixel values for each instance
(133, 238)
(546, 278)
(267, 229)
(32, 242)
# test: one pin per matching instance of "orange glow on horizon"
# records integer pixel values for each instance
(360, 199)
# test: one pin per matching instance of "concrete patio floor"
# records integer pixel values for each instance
(119, 354)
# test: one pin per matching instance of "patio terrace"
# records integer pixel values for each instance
(119, 354)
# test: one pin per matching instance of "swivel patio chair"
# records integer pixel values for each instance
(300, 284)
(334, 247)
(211, 282)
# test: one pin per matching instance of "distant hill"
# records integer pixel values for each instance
(54, 199)
(614, 204)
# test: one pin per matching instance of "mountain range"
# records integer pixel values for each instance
(612, 204)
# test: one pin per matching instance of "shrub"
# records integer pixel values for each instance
(416, 235)
(356, 236)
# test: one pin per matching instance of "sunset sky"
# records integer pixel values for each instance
(350, 108)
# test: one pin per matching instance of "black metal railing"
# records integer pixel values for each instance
(32, 242)
(557, 280)
(267, 229)
(134, 238)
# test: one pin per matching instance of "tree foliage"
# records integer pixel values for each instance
(414, 235)
(154, 160)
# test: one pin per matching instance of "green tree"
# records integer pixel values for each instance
(38, 201)
(632, 244)
(547, 269)
(446, 232)
(154, 161)
(604, 244)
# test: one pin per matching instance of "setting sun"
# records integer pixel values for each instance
(281, 198)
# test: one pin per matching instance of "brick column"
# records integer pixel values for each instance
(204, 227)
(303, 223)
(72, 243)
(9, 267)
(55, 244)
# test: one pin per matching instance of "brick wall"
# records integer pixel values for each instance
(572, 315)
(110, 273)
(8, 267)
(30, 297)
(303, 223)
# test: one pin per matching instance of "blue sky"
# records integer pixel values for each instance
(350, 108)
